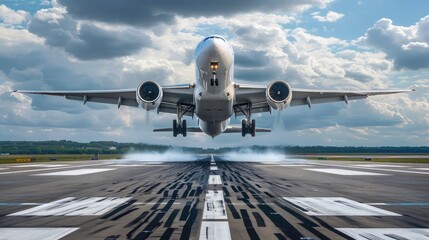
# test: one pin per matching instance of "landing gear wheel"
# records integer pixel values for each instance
(243, 127)
(183, 128)
(253, 128)
(175, 128)
(212, 82)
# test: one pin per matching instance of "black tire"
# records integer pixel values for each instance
(243, 127)
(175, 128)
(212, 82)
(184, 128)
(253, 128)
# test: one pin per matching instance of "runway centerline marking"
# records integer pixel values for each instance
(213, 168)
(51, 233)
(215, 179)
(56, 168)
(76, 172)
(386, 233)
(339, 171)
(336, 206)
(214, 230)
(214, 205)
(71, 206)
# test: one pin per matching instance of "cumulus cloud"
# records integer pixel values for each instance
(267, 47)
(330, 16)
(10, 16)
(86, 41)
(149, 13)
(407, 46)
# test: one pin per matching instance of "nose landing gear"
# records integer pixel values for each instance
(214, 66)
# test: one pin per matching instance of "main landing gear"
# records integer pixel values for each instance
(248, 125)
(179, 125)
(179, 128)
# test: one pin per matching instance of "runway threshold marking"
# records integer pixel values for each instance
(339, 171)
(386, 233)
(336, 206)
(93, 206)
(56, 168)
(76, 172)
(35, 233)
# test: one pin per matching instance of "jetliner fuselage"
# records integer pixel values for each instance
(214, 88)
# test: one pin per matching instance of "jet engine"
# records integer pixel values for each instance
(149, 95)
(279, 95)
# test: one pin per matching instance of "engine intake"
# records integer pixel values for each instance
(149, 95)
(279, 95)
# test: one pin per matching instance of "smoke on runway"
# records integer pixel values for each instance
(249, 155)
(171, 155)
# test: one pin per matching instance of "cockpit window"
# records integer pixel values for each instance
(211, 37)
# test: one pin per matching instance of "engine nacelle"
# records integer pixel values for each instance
(279, 95)
(149, 95)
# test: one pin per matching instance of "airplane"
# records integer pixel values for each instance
(214, 96)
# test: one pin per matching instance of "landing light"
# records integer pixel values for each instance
(214, 66)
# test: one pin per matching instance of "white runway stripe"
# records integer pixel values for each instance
(387, 233)
(71, 206)
(215, 179)
(336, 206)
(56, 168)
(380, 165)
(76, 172)
(213, 168)
(40, 165)
(339, 171)
(214, 206)
(35, 233)
(214, 230)
(423, 169)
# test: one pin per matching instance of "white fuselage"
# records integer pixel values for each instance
(214, 88)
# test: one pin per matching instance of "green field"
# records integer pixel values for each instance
(60, 157)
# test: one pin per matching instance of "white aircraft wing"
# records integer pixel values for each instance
(256, 96)
(172, 96)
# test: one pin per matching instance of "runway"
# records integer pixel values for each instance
(213, 198)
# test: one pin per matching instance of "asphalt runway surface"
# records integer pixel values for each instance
(214, 199)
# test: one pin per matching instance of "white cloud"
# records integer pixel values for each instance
(265, 51)
(10, 16)
(407, 46)
(330, 16)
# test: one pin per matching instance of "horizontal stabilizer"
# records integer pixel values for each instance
(197, 129)
(188, 129)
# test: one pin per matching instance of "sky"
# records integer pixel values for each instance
(316, 44)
